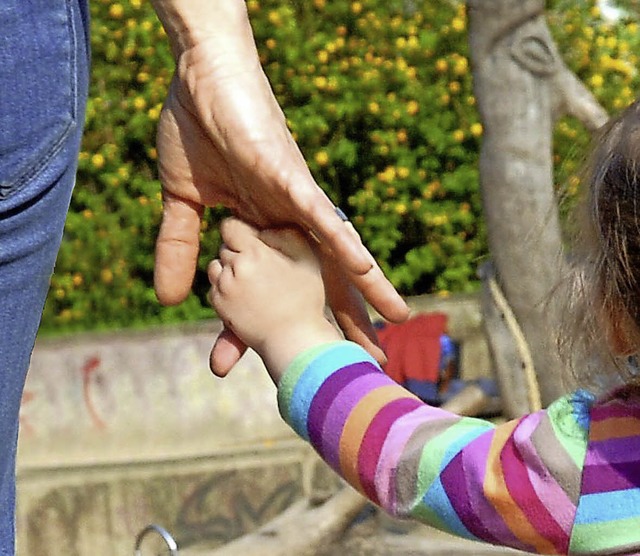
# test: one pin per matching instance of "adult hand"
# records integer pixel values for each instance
(223, 139)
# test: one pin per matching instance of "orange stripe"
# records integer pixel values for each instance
(614, 427)
(356, 427)
(495, 489)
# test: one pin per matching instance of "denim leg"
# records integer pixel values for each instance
(44, 64)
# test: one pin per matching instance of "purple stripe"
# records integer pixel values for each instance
(607, 478)
(453, 480)
(614, 450)
(327, 393)
(476, 511)
(615, 409)
(374, 438)
(339, 412)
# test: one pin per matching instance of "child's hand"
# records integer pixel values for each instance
(267, 288)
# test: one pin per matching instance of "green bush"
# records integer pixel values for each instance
(379, 98)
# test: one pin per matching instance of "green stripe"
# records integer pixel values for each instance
(597, 537)
(431, 461)
(292, 374)
(567, 430)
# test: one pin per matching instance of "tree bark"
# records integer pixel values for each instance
(522, 86)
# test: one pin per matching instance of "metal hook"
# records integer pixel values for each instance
(166, 536)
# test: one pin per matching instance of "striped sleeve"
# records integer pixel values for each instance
(520, 484)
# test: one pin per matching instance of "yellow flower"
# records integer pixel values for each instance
(139, 103)
(441, 65)
(143, 77)
(403, 172)
(270, 43)
(596, 80)
(374, 108)
(60, 293)
(320, 81)
(97, 160)
(412, 107)
(356, 7)
(106, 275)
(116, 11)
(458, 24)
(461, 66)
(455, 87)
(253, 6)
(319, 4)
(154, 113)
(323, 56)
(476, 129)
(401, 209)
(137, 4)
(146, 25)
(388, 175)
(77, 279)
(65, 314)
(322, 158)
(87, 214)
(401, 135)
(458, 136)
(274, 18)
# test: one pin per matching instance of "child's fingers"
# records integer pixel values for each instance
(236, 234)
(289, 241)
(214, 269)
(226, 256)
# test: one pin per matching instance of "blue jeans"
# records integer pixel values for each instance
(44, 62)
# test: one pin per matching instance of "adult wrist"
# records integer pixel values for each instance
(189, 23)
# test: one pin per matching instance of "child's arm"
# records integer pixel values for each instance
(520, 484)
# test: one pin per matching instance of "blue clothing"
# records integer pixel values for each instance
(44, 64)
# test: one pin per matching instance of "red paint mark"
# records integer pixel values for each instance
(89, 368)
(25, 425)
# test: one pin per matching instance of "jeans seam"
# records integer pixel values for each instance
(57, 144)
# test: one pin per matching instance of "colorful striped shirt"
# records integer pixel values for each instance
(565, 480)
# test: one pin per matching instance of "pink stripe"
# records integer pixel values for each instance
(393, 451)
(615, 409)
(525, 498)
(550, 493)
(376, 434)
(339, 412)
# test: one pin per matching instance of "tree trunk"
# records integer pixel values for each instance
(521, 86)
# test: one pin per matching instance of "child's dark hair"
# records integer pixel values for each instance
(605, 294)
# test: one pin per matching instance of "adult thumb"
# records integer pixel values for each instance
(176, 251)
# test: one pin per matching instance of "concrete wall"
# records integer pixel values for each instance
(122, 430)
